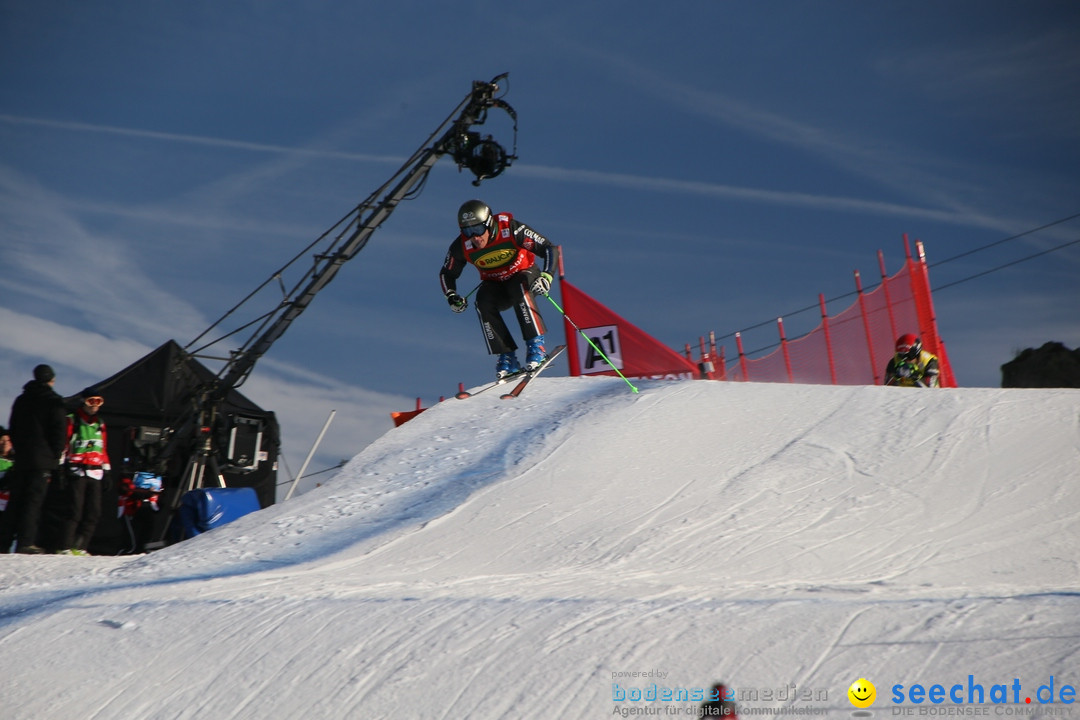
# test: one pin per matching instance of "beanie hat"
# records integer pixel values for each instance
(43, 373)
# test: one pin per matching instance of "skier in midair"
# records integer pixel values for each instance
(505, 252)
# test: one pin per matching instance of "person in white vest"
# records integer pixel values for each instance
(85, 466)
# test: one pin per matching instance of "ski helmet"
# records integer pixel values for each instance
(908, 346)
(475, 214)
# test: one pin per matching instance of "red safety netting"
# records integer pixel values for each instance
(854, 346)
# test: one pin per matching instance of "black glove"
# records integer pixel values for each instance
(542, 284)
(457, 303)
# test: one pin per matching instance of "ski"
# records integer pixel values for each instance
(530, 374)
(501, 381)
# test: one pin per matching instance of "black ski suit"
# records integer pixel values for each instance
(507, 266)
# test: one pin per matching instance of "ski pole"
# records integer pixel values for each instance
(590, 341)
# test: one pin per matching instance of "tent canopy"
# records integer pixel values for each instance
(147, 400)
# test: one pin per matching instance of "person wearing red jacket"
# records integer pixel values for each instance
(504, 251)
(85, 468)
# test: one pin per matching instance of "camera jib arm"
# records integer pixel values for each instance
(482, 156)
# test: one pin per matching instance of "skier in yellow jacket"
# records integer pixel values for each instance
(912, 366)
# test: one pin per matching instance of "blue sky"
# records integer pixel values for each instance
(706, 166)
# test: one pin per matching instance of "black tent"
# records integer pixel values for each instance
(144, 404)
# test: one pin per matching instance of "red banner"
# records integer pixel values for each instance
(635, 353)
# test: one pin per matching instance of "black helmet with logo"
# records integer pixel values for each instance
(474, 217)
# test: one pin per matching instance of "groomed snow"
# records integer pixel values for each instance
(534, 558)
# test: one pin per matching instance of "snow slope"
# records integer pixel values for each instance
(535, 558)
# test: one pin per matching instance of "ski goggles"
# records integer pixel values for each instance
(474, 230)
(95, 401)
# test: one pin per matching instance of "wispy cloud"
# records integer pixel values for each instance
(195, 217)
(1040, 73)
(725, 109)
(87, 351)
(200, 140)
(94, 280)
(772, 197)
(902, 171)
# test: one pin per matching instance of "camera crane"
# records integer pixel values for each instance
(482, 155)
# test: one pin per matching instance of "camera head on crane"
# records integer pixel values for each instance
(483, 156)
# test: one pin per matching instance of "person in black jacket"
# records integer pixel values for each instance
(505, 252)
(721, 704)
(38, 428)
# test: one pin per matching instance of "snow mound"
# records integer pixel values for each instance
(533, 558)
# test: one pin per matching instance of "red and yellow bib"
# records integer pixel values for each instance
(502, 257)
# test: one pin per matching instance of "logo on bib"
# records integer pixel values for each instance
(495, 258)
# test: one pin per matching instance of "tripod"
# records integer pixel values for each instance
(199, 464)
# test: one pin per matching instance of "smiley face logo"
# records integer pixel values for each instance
(862, 693)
